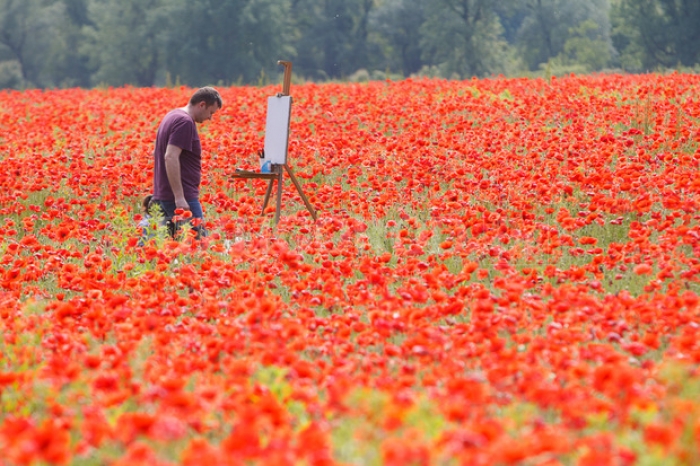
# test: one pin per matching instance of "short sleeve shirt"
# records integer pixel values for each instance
(178, 129)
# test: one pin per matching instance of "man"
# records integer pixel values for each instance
(178, 158)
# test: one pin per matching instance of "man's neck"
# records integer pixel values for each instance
(189, 110)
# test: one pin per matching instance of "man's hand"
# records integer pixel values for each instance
(181, 203)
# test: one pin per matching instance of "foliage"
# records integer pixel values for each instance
(67, 63)
(26, 30)
(550, 24)
(661, 32)
(85, 43)
(461, 38)
(331, 20)
(584, 51)
(123, 41)
(397, 23)
(223, 42)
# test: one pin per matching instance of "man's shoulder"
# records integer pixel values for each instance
(177, 117)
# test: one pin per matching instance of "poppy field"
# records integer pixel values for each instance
(502, 272)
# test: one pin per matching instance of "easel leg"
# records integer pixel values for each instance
(301, 193)
(267, 196)
(279, 196)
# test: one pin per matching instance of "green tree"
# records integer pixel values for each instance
(227, 41)
(653, 33)
(26, 31)
(463, 38)
(124, 41)
(549, 24)
(360, 48)
(77, 11)
(511, 14)
(265, 27)
(585, 50)
(398, 23)
(325, 37)
(67, 65)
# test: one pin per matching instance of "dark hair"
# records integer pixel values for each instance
(209, 95)
(147, 204)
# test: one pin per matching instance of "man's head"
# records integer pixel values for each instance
(204, 103)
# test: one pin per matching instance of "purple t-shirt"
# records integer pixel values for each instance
(179, 129)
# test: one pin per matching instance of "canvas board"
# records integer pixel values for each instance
(279, 109)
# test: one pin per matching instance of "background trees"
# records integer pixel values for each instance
(462, 37)
(26, 31)
(62, 43)
(123, 41)
(658, 33)
(226, 41)
(573, 32)
(396, 25)
(67, 61)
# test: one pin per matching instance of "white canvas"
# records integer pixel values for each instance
(279, 109)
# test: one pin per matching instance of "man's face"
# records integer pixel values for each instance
(204, 112)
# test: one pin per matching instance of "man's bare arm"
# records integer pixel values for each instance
(172, 169)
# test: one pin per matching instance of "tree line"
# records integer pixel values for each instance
(87, 43)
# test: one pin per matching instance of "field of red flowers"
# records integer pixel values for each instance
(503, 271)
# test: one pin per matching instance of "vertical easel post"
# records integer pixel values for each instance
(287, 76)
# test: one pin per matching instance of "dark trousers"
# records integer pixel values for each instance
(168, 209)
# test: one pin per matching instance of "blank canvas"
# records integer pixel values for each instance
(279, 109)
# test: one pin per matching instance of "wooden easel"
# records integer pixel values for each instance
(276, 142)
